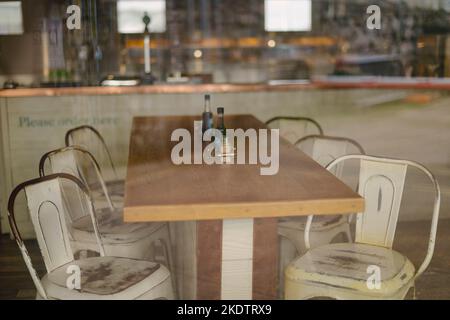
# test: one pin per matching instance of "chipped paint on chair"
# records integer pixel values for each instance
(341, 270)
(325, 229)
(128, 240)
(101, 277)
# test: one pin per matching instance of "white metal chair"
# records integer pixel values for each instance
(322, 149)
(325, 229)
(79, 162)
(149, 241)
(100, 277)
(90, 139)
(294, 128)
(368, 268)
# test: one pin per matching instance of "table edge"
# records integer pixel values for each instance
(219, 211)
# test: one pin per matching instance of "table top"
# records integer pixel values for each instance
(158, 190)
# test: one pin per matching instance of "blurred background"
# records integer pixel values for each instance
(388, 88)
(221, 41)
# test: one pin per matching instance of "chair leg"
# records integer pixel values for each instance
(413, 287)
(288, 252)
(348, 233)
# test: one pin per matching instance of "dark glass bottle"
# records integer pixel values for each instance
(207, 116)
(221, 121)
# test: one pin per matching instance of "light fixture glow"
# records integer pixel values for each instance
(271, 43)
(198, 54)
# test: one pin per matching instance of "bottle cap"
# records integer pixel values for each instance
(207, 97)
(220, 110)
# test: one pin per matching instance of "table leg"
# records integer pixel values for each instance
(265, 259)
(209, 258)
(237, 259)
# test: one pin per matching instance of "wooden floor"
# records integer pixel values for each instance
(15, 280)
(411, 240)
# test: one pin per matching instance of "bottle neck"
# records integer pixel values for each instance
(207, 106)
(220, 121)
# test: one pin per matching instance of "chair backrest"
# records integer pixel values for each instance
(90, 139)
(294, 128)
(78, 162)
(381, 184)
(48, 214)
(325, 149)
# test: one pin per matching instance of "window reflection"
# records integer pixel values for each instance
(287, 15)
(221, 41)
(130, 14)
(11, 18)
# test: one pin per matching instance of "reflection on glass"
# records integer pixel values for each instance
(130, 14)
(11, 18)
(287, 15)
(226, 41)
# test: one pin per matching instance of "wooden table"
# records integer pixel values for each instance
(230, 247)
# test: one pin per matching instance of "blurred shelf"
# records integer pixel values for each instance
(227, 43)
(390, 83)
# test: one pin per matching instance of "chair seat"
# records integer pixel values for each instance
(112, 228)
(100, 201)
(115, 187)
(320, 222)
(345, 266)
(116, 191)
(106, 278)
